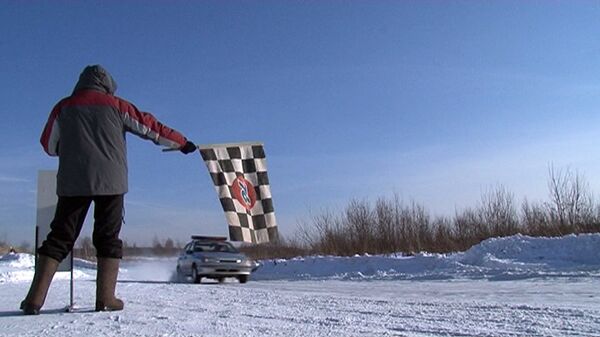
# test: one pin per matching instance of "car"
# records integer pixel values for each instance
(214, 258)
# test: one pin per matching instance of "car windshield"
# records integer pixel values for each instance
(214, 247)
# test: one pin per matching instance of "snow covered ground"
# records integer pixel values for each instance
(516, 286)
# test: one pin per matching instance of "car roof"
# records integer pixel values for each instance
(208, 238)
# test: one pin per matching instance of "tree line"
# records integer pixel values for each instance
(85, 248)
(391, 225)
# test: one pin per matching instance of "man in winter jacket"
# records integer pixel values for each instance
(87, 132)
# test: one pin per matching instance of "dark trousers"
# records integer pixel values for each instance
(68, 221)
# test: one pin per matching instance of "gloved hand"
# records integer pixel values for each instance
(189, 147)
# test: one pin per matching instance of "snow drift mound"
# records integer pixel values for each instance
(17, 261)
(567, 252)
(16, 267)
(521, 256)
(20, 267)
(515, 257)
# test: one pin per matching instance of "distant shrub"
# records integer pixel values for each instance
(391, 225)
(281, 249)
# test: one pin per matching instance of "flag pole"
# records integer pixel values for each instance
(72, 283)
(212, 146)
(71, 306)
(35, 250)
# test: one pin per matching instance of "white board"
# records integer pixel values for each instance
(46, 206)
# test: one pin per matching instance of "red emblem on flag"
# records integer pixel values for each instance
(243, 191)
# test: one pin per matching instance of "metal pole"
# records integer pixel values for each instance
(35, 250)
(71, 303)
(212, 146)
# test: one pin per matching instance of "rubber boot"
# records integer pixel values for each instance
(44, 272)
(106, 282)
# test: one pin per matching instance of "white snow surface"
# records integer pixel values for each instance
(514, 286)
(510, 258)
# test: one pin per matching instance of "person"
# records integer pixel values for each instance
(87, 132)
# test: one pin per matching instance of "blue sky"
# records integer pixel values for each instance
(437, 101)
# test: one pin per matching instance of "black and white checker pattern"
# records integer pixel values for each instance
(225, 163)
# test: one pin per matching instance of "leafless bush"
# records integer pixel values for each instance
(468, 227)
(571, 205)
(357, 225)
(536, 220)
(282, 248)
(363, 228)
(391, 225)
(499, 213)
(325, 234)
(84, 248)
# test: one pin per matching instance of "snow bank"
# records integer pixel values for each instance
(567, 251)
(509, 258)
(17, 261)
(16, 267)
(20, 267)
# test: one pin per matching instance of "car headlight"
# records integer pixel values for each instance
(209, 260)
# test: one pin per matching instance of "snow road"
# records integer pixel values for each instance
(317, 308)
(515, 286)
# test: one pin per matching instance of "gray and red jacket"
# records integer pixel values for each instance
(87, 132)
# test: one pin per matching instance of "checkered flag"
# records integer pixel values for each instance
(239, 172)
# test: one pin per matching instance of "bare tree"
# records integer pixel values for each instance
(390, 225)
(535, 220)
(571, 204)
(359, 223)
(386, 232)
(498, 212)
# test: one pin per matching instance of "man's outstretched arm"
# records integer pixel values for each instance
(145, 125)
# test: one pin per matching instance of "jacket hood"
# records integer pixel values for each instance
(96, 78)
